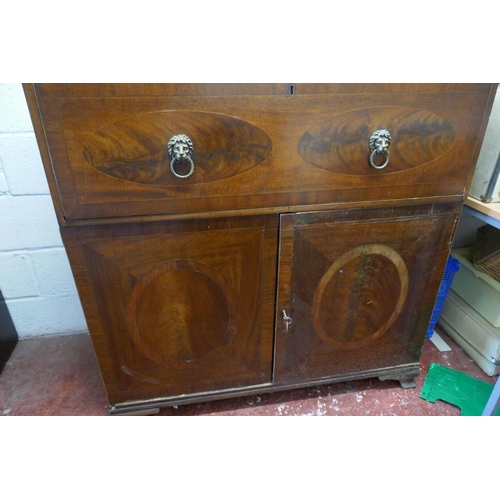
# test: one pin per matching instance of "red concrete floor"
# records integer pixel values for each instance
(60, 376)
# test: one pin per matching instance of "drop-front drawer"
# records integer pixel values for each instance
(124, 150)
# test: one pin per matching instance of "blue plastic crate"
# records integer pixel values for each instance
(452, 266)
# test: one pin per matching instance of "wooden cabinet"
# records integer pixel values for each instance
(265, 250)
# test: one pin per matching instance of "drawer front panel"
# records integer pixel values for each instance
(109, 154)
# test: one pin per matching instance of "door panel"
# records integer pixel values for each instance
(184, 309)
(359, 287)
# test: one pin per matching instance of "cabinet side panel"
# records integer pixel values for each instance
(38, 128)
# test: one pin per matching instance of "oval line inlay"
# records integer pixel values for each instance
(341, 144)
(135, 149)
(375, 249)
(179, 329)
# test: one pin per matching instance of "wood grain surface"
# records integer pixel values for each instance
(359, 286)
(186, 283)
(178, 308)
(135, 149)
(308, 148)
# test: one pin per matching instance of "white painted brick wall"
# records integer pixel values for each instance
(21, 163)
(35, 277)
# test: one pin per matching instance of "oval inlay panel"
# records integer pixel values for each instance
(341, 144)
(360, 296)
(135, 149)
(182, 313)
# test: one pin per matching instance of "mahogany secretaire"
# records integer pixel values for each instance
(230, 239)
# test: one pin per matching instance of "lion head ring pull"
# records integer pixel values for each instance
(180, 148)
(379, 145)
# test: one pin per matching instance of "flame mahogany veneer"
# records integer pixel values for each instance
(285, 260)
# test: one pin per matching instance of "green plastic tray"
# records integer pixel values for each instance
(456, 388)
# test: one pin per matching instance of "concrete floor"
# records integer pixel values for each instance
(60, 376)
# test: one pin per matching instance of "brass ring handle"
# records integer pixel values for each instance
(379, 144)
(180, 148)
(181, 176)
(386, 162)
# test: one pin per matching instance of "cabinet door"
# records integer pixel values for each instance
(178, 308)
(359, 288)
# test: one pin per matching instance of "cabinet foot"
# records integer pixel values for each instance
(405, 382)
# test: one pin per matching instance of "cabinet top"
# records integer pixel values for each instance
(65, 90)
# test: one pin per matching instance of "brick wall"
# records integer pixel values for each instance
(35, 279)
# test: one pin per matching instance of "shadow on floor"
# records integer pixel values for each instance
(8, 334)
